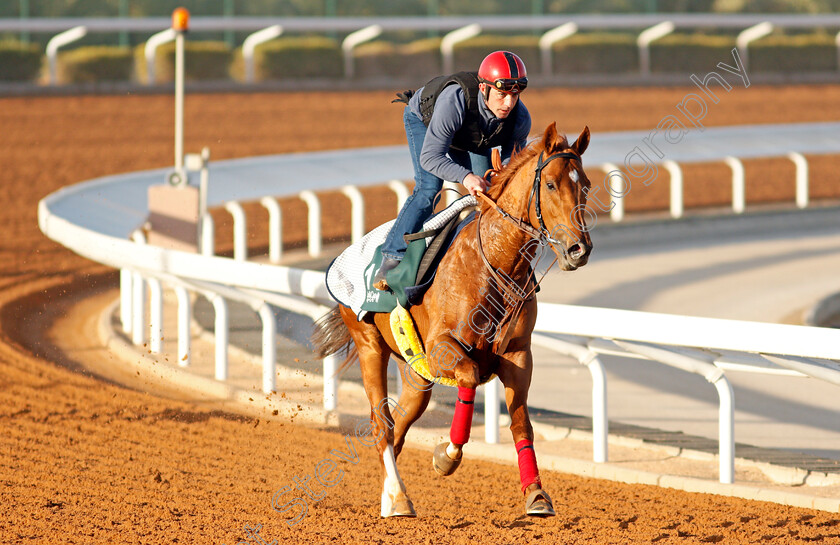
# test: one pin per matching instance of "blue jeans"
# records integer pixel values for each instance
(421, 203)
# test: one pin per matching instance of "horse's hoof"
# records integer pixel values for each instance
(538, 504)
(399, 507)
(443, 464)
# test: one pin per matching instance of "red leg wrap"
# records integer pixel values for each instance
(528, 472)
(459, 434)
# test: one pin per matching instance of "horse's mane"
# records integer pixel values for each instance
(517, 161)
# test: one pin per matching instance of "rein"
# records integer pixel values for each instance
(542, 234)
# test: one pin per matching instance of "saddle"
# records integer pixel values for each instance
(414, 275)
(350, 275)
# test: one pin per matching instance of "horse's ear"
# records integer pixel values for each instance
(582, 141)
(551, 139)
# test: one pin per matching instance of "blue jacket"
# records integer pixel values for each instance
(447, 119)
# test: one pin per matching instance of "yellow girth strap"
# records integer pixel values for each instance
(411, 349)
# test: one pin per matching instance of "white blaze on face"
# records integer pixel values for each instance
(573, 175)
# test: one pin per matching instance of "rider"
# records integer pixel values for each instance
(451, 124)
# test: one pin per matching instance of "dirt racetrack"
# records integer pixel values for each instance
(88, 461)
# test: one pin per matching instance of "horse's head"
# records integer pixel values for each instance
(558, 198)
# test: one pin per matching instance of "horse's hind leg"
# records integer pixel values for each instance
(416, 393)
(373, 357)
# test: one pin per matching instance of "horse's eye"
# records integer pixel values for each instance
(550, 185)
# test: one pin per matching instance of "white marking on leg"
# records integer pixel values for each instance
(393, 486)
(453, 451)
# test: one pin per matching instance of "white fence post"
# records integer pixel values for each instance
(748, 35)
(644, 40)
(357, 211)
(314, 221)
(150, 50)
(617, 212)
(401, 190)
(250, 45)
(125, 300)
(491, 411)
(208, 235)
(200, 162)
(184, 320)
(221, 333)
(801, 178)
(600, 422)
(739, 192)
(351, 41)
(240, 230)
(155, 316)
(275, 228)
(676, 187)
(269, 347)
(726, 429)
(138, 305)
(548, 40)
(57, 41)
(447, 44)
(837, 43)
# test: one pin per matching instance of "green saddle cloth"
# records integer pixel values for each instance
(399, 278)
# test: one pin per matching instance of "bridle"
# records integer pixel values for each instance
(541, 234)
(514, 293)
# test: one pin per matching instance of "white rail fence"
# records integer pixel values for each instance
(554, 27)
(96, 219)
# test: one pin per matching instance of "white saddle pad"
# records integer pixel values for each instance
(346, 275)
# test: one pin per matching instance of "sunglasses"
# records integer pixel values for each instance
(510, 85)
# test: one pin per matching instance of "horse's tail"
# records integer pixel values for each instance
(331, 336)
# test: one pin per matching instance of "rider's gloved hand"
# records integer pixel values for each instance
(474, 184)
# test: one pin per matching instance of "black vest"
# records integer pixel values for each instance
(469, 137)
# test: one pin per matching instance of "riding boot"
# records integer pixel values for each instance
(379, 281)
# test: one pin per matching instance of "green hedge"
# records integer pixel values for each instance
(95, 63)
(202, 61)
(693, 53)
(419, 60)
(469, 54)
(802, 53)
(294, 58)
(595, 53)
(19, 61)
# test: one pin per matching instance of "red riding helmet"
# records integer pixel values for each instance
(504, 71)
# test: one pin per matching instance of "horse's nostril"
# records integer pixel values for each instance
(577, 251)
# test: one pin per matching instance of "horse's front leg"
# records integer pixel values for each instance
(448, 355)
(515, 373)
(373, 358)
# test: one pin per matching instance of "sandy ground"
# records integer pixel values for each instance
(84, 460)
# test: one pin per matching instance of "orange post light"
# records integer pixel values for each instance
(180, 19)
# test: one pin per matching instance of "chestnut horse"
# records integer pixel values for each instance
(537, 200)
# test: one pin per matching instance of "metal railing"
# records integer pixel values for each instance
(95, 219)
